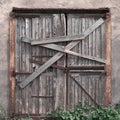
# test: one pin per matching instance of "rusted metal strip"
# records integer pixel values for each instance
(35, 96)
(108, 60)
(12, 66)
(83, 90)
(90, 67)
(87, 71)
(22, 73)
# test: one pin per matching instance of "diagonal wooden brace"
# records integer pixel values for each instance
(64, 50)
(45, 66)
(57, 56)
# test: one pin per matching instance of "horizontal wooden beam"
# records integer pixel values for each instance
(52, 40)
(64, 38)
(39, 11)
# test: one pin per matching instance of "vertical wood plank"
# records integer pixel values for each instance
(35, 52)
(94, 43)
(103, 40)
(23, 66)
(12, 66)
(59, 26)
(17, 64)
(108, 59)
(28, 32)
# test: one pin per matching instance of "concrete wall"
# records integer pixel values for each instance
(5, 9)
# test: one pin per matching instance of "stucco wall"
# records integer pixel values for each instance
(6, 8)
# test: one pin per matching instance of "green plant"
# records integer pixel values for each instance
(117, 107)
(86, 112)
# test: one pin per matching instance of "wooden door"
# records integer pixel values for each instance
(60, 60)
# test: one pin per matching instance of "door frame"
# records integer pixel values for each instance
(17, 12)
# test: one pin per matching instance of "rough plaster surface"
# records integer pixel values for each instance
(5, 9)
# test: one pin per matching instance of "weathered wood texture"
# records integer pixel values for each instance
(93, 45)
(55, 87)
(108, 59)
(12, 66)
(59, 55)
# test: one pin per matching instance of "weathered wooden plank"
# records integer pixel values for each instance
(17, 63)
(53, 40)
(28, 64)
(49, 34)
(80, 44)
(20, 48)
(23, 65)
(12, 66)
(86, 56)
(103, 41)
(86, 50)
(108, 60)
(59, 29)
(35, 51)
(90, 42)
(94, 43)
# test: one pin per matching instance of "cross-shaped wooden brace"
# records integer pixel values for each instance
(62, 50)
